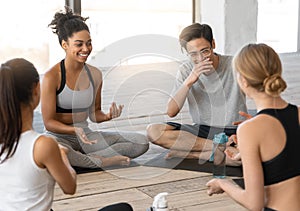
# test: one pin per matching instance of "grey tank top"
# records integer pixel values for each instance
(73, 101)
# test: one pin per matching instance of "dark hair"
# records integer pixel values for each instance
(65, 24)
(195, 31)
(17, 79)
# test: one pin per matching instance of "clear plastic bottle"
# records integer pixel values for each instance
(218, 154)
(159, 203)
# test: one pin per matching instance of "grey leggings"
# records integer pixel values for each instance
(110, 143)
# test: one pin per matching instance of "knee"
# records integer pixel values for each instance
(157, 134)
(152, 132)
(143, 143)
(140, 146)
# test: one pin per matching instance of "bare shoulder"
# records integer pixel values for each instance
(46, 143)
(253, 128)
(250, 123)
(53, 74)
(259, 127)
(94, 70)
(45, 147)
(96, 73)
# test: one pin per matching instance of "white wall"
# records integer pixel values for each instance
(234, 22)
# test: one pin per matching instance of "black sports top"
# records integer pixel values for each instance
(287, 163)
(70, 101)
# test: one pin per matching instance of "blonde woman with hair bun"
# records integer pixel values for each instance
(260, 65)
(268, 142)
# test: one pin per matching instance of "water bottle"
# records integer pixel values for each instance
(160, 203)
(218, 155)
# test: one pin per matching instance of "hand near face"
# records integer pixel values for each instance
(114, 111)
(203, 66)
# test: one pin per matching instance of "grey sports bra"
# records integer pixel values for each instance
(72, 101)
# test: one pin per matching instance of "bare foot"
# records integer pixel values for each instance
(182, 154)
(176, 154)
(206, 155)
(118, 160)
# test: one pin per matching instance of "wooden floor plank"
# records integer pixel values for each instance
(96, 201)
(198, 200)
(115, 180)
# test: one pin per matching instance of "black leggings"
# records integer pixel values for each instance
(117, 207)
(202, 131)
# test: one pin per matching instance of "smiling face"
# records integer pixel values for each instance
(200, 49)
(79, 46)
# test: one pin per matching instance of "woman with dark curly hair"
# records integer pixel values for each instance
(71, 93)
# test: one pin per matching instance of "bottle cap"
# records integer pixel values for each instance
(160, 200)
(220, 138)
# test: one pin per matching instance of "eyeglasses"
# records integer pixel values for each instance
(206, 52)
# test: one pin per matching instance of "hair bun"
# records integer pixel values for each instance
(274, 85)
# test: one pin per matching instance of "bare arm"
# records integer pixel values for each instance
(48, 104)
(176, 103)
(252, 197)
(96, 113)
(47, 154)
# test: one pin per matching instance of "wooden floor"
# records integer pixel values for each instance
(144, 90)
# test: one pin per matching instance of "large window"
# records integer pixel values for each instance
(278, 24)
(114, 20)
(24, 31)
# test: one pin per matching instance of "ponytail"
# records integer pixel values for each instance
(10, 113)
(17, 79)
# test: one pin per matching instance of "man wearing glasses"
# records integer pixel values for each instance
(214, 99)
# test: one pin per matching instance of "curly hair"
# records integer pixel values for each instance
(64, 24)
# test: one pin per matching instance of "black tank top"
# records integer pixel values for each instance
(287, 163)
